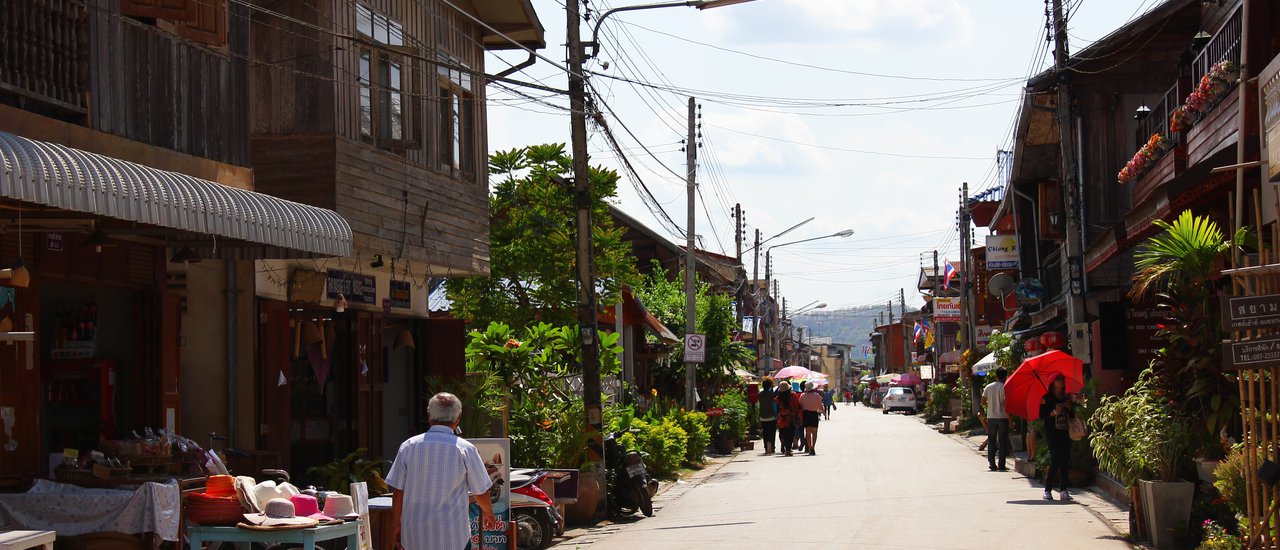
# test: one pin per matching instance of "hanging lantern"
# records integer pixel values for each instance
(1031, 345)
(340, 303)
(404, 339)
(18, 275)
(1053, 340)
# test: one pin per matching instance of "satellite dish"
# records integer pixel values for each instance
(1000, 285)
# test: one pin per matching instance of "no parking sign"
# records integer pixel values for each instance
(695, 348)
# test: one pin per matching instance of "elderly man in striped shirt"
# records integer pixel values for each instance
(434, 476)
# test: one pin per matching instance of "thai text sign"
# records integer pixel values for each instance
(1250, 312)
(357, 287)
(1002, 252)
(1256, 353)
(946, 309)
(498, 535)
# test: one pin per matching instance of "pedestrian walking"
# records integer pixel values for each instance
(828, 403)
(998, 444)
(1057, 409)
(788, 416)
(848, 395)
(768, 415)
(433, 477)
(811, 405)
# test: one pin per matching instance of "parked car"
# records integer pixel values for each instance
(899, 399)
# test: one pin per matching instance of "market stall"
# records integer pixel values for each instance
(151, 508)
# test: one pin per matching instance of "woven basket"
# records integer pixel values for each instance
(203, 509)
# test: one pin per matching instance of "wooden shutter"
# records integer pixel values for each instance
(208, 23)
(176, 10)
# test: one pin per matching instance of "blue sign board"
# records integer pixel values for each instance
(358, 288)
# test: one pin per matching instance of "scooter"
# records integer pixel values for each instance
(630, 487)
(533, 512)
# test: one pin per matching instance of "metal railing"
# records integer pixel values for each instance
(1224, 46)
(1157, 120)
(42, 49)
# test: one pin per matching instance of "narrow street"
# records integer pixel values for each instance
(877, 482)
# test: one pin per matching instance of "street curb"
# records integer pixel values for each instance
(1101, 505)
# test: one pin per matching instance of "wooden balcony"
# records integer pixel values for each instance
(42, 51)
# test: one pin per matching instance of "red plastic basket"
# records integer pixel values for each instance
(203, 509)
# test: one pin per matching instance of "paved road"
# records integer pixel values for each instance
(886, 482)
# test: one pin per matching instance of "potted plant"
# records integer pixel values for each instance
(1143, 440)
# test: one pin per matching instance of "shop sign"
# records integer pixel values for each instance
(1002, 252)
(357, 287)
(982, 335)
(1141, 341)
(400, 294)
(53, 241)
(1251, 312)
(946, 309)
(1255, 353)
(498, 535)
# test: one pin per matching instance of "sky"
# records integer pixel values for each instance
(863, 114)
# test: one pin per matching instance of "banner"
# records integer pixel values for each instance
(496, 453)
(982, 335)
(1002, 252)
(946, 309)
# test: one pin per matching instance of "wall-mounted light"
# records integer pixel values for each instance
(377, 261)
(1142, 112)
(185, 254)
(1053, 219)
(1200, 40)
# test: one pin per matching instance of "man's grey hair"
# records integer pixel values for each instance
(444, 408)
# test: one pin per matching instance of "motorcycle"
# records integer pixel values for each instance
(533, 512)
(629, 485)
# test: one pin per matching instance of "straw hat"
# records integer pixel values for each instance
(264, 491)
(278, 514)
(340, 506)
(307, 506)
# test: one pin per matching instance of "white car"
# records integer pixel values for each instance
(903, 399)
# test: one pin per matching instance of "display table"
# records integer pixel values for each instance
(21, 540)
(70, 510)
(197, 535)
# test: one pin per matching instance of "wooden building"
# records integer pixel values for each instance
(124, 161)
(375, 109)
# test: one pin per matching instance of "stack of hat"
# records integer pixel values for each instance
(277, 513)
(217, 505)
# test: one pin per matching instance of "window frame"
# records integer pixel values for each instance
(375, 68)
(456, 120)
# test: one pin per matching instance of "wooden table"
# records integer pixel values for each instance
(21, 540)
(198, 534)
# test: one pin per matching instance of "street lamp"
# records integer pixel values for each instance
(809, 308)
(788, 230)
(700, 4)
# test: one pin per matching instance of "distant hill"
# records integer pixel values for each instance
(843, 326)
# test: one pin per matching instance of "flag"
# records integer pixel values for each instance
(919, 330)
(947, 274)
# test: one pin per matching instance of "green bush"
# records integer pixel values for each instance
(663, 443)
(734, 420)
(698, 430)
(1229, 479)
(939, 402)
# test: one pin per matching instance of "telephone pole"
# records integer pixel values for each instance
(737, 237)
(885, 340)
(690, 261)
(937, 293)
(586, 277)
(1072, 252)
(758, 294)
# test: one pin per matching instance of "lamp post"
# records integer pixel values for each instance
(582, 198)
(769, 353)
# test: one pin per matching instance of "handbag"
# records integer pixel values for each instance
(1076, 429)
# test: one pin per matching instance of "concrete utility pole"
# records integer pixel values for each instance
(757, 299)
(586, 277)
(906, 349)
(690, 261)
(1072, 251)
(884, 340)
(967, 307)
(737, 237)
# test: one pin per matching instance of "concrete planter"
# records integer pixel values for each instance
(1205, 468)
(1166, 505)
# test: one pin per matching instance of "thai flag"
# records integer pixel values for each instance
(919, 330)
(947, 275)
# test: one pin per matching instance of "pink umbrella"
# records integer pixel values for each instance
(794, 371)
(905, 380)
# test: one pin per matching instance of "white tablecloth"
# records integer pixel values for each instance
(71, 510)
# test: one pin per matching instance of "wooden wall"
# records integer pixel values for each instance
(148, 85)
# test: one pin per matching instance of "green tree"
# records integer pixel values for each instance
(532, 243)
(1178, 266)
(665, 299)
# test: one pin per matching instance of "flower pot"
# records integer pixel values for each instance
(583, 512)
(723, 443)
(1080, 478)
(1166, 505)
(1205, 468)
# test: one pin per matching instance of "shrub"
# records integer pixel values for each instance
(734, 420)
(698, 430)
(1216, 537)
(939, 402)
(1229, 480)
(663, 444)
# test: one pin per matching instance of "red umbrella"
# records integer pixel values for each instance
(1026, 386)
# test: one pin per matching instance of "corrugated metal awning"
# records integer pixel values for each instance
(71, 179)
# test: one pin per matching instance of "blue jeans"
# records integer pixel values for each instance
(998, 440)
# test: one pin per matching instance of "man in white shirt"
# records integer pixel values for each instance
(997, 421)
(434, 477)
